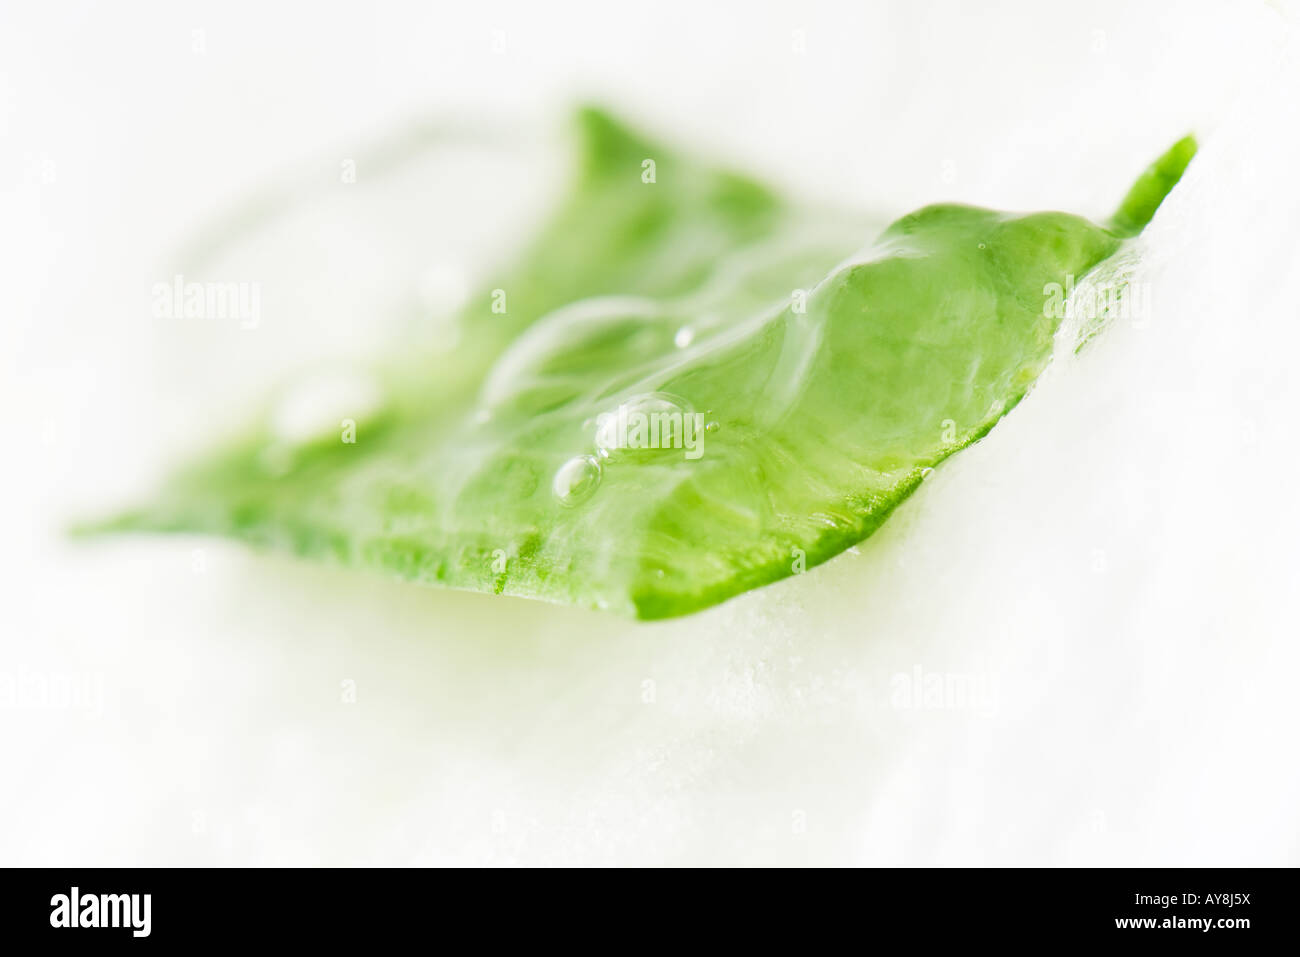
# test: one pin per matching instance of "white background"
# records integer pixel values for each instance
(1114, 566)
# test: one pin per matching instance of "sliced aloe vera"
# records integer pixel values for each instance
(694, 389)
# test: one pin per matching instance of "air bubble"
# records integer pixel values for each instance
(576, 480)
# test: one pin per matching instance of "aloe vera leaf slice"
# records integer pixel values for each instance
(800, 423)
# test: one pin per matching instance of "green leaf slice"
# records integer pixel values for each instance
(695, 389)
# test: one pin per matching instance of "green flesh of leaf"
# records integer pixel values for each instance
(829, 381)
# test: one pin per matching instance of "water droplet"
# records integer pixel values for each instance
(576, 480)
(685, 336)
(712, 427)
(926, 471)
(981, 245)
